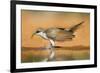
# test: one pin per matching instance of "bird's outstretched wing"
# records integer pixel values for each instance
(74, 28)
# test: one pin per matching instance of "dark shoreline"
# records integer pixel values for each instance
(58, 48)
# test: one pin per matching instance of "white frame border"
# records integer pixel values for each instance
(20, 65)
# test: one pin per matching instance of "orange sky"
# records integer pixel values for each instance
(32, 20)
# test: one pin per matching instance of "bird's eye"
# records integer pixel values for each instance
(37, 31)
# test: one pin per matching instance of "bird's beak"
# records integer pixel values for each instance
(33, 34)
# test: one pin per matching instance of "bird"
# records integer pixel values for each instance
(56, 34)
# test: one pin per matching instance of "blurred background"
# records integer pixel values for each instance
(34, 49)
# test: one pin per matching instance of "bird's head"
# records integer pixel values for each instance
(38, 32)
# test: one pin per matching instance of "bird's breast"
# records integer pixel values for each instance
(43, 35)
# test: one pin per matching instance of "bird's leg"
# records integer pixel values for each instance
(52, 51)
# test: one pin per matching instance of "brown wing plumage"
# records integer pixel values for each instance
(58, 34)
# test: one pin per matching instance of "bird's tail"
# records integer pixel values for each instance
(75, 27)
